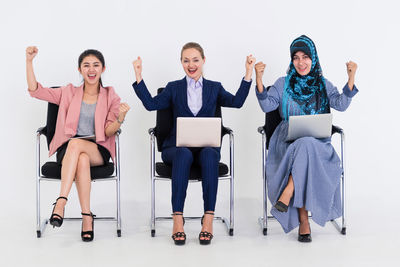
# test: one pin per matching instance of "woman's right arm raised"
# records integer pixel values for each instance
(259, 68)
(137, 66)
(36, 89)
(268, 100)
(160, 101)
(31, 52)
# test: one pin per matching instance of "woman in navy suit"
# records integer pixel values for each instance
(192, 96)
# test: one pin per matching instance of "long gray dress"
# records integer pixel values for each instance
(313, 163)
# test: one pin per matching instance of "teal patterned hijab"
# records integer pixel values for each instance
(308, 92)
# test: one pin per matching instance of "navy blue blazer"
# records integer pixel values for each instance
(175, 95)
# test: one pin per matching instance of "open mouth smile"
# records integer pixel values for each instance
(192, 71)
(302, 69)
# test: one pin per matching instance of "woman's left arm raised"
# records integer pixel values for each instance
(342, 101)
(226, 99)
(351, 72)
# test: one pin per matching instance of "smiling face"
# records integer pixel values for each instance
(302, 63)
(192, 63)
(91, 69)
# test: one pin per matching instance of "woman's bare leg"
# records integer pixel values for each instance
(287, 193)
(178, 225)
(208, 223)
(304, 227)
(70, 163)
(83, 183)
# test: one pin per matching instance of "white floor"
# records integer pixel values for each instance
(371, 241)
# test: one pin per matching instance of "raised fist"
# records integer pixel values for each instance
(137, 66)
(351, 68)
(250, 61)
(123, 109)
(259, 67)
(31, 52)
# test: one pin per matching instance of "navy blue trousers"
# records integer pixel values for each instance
(181, 159)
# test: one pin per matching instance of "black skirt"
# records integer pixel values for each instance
(105, 154)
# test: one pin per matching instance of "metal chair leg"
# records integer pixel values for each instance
(263, 221)
(118, 207)
(153, 209)
(39, 225)
(343, 230)
(153, 184)
(118, 186)
(232, 180)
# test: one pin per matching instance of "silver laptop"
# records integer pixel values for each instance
(318, 126)
(198, 132)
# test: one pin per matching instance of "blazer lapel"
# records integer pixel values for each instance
(74, 109)
(205, 95)
(183, 92)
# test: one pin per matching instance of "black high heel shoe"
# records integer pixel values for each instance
(175, 236)
(207, 236)
(55, 219)
(88, 236)
(304, 238)
(280, 206)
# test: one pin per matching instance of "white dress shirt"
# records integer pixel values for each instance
(194, 94)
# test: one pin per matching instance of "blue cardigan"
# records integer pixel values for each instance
(175, 95)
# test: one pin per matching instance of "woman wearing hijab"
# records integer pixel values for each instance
(303, 176)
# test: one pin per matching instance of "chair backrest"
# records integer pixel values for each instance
(165, 122)
(272, 120)
(51, 120)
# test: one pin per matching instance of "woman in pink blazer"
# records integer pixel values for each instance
(87, 110)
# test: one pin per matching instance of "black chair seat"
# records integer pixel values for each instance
(52, 169)
(165, 170)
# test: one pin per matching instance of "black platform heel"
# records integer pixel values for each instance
(205, 234)
(179, 242)
(88, 236)
(55, 219)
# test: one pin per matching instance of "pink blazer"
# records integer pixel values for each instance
(69, 100)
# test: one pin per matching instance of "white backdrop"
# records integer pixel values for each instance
(362, 31)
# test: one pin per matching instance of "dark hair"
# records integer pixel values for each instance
(195, 46)
(92, 52)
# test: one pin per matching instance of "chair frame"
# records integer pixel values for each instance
(263, 221)
(41, 224)
(155, 177)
